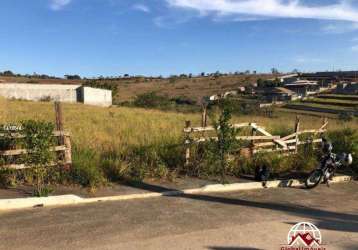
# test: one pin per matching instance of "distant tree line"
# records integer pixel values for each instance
(9, 73)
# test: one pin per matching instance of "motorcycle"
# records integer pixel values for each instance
(330, 162)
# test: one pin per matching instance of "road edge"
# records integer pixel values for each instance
(65, 200)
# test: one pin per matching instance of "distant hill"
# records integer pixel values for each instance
(193, 88)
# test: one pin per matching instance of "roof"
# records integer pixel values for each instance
(275, 90)
(302, 83)
(288, 76)
(284, 90)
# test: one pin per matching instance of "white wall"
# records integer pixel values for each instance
(57, 92)
(36, 92)
(98, 97)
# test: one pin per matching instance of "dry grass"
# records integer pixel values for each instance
(194, 88)
(108, 141)
(118, 128)
(104, 127)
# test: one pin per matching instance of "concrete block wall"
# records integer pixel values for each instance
(37, 92)
(98, 97)
(57, 92)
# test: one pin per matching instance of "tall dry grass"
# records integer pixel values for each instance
(105, 127)
(134, 142)
(121, 127)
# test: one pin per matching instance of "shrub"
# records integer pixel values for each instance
(218, 151)
(345, 116)
(151, 100)
(38, 140)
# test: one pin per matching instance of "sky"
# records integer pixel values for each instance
(164, 37)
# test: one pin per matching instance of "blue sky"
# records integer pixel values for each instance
(152, 37)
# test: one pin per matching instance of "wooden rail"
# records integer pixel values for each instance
(261, 140)
(63, 149)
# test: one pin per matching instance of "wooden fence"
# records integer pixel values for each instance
(260, 140)
(63, 148)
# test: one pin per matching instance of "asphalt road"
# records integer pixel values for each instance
(241, 220)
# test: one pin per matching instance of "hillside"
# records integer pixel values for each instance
(128, 88)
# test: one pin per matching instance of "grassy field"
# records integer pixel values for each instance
(119, 142)
(120, 127)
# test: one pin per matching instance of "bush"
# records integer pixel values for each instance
(345, 116)
(152, 100)
(38, 140)
(219, 153)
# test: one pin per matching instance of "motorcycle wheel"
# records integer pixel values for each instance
(314, 179)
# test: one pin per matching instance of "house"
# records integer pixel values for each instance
(275, 94)
(347, 88)
(288, 78)
(57, 92)
(303, 88)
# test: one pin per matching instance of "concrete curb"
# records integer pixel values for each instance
(63, 200)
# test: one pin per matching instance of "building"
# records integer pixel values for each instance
(303, 88)
(57, 92)
(275, 94)
(335, 76)
(347, 88)
(286, 79)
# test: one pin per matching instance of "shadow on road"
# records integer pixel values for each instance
(323, 219)
(233, 248)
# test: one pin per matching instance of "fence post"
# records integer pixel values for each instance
(252, 143)
(187, 143)
(59, 121)
(68, 152)
(297, 129)
(63, 139)
(204, 117)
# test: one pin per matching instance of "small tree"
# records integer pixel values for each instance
(226, 143)
(38, 140)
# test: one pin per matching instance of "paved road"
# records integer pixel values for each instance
(241, 220)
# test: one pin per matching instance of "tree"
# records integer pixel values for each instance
(295, 71)
(275, 71)
(8, 73)
(260, 83)
(72, 77)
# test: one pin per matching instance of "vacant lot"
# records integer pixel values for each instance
(120, 127)
(121, 143)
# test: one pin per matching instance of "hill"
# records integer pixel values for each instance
(193, 88)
